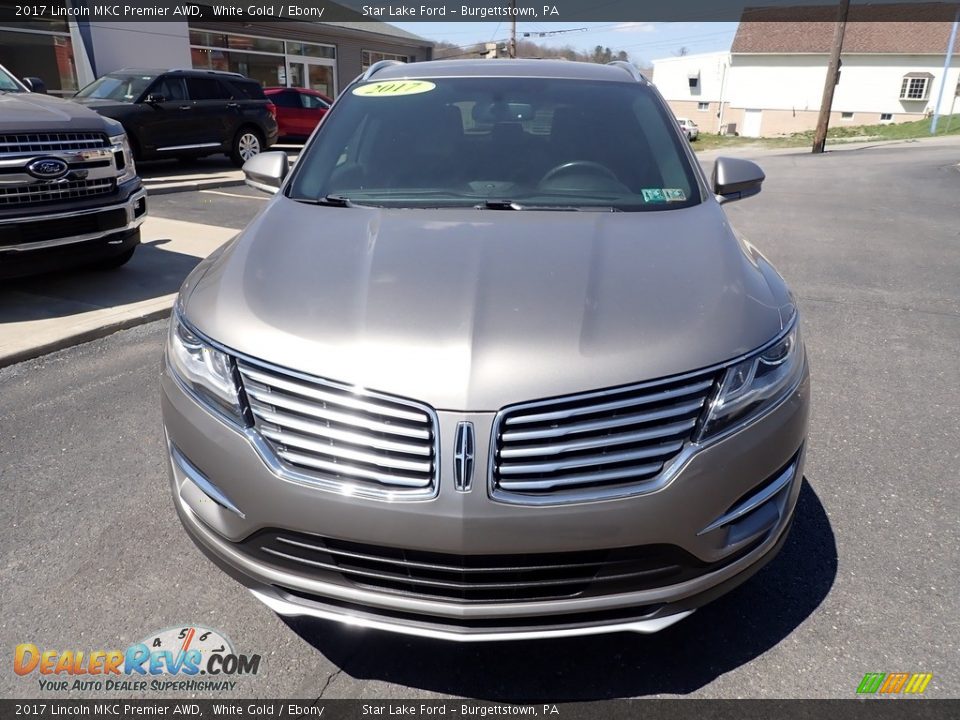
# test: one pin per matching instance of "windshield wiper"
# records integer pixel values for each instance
(514, 205)
(330, 200)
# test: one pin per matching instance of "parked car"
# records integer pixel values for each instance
(186, 113)
(689, 127)
(489, 384)
(299, 110)
(69, 191)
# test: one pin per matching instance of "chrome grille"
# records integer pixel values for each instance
(476, 578)
(52, 142)
(358, 442)
(55, 191)
(600, 444)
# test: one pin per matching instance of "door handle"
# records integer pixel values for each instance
(233, 105)
(186, 107)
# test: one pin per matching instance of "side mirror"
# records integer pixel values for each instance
(36, 85)
(155, 99)
(266, 171)
(735, 179)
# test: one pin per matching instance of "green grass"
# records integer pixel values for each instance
(841, 133)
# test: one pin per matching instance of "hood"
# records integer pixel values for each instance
(473, 310)
(20, 112)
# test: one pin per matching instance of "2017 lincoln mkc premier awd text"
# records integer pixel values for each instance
(491, 364)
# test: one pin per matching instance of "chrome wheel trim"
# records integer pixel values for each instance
(248, 145)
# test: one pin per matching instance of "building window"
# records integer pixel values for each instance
(886, 117)
(703, 106)
(369, 57)
(915, 86)
(693, 80)
(846, 116)
(46, 55)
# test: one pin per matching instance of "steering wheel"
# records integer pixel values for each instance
(588, 166)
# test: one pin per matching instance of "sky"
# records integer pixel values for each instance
(643, 41)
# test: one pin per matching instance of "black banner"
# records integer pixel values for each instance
(13, 11)
(114, 709)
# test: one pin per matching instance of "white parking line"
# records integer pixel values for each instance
(228, 194)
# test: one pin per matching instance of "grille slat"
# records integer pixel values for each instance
(52, 142)
(595, 445)
(344, 438)
(611, 406)
(475, 578)
(317, 411)
(53, 192)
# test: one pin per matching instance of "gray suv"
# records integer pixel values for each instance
(490, 365)
(69, 190)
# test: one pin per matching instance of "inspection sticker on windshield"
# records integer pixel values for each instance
(659, 195)
(393, 88)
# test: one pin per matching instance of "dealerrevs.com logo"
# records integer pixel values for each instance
(189, 658)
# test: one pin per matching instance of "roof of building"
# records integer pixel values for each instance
(380, 28)
(895, 29)
(505, 68)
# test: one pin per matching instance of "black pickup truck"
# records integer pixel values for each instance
(69, 191)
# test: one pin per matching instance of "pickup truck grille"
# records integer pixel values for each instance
(52, 142)
(600, 444)
(37, 193)
(351, 441)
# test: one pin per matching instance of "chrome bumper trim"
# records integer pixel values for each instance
(129, 206)
(192, 474)
(285, 607)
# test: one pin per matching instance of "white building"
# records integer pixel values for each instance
(771, 82)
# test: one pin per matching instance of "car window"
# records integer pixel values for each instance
(118, 87)
(312, 102)
(170, 88)
(285, 99)
(246, 89)
(206, 89)
(537, 142)
(8, 83)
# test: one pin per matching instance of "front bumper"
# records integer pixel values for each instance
(224, 492)
(41, 230)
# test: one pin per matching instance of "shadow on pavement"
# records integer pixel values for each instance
(715, 640)
(151, 273)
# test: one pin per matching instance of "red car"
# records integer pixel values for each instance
(298, 109)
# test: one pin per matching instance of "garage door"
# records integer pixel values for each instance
(751, 123)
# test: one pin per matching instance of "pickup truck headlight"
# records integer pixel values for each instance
(206, 372)
(755, 385)
(124, 158)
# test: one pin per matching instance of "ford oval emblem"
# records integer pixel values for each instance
(48, 168)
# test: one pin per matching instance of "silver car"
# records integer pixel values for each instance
(490, 365)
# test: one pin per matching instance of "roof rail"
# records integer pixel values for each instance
(630, 68)
(228, 73)
(378, 66)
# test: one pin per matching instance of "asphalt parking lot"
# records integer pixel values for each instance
(93, 557)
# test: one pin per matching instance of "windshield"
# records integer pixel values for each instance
(8, 83)
(122, 88)
(533, 142)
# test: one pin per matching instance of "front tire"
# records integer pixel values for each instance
(116, 261)
(247, 144)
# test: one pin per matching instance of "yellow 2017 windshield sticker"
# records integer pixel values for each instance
(393, 88)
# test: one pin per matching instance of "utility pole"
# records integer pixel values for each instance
(946, 71)
(833, 77)
(513, 28)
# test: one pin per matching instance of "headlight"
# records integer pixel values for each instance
(206, 371)
(129, 169)
(753, 386)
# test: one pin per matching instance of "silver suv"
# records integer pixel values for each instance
(490, 365)
(69, 190)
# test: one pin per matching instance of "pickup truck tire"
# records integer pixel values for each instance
(246, 143)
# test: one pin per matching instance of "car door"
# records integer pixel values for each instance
(169, 121)
(313, 108)
(217, 112)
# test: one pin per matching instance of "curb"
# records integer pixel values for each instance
(85, 336)
(171, 188)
